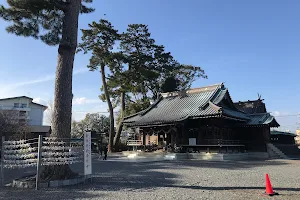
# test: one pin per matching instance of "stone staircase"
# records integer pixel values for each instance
(291, 151)
(274, 152)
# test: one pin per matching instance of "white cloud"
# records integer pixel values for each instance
(281, 114)
(79, 101)
(80, 71)
(84, 100)
(39, 100)
(78, 115)
(35, 81)
(276, 113)
(40, 80)
(76, 101)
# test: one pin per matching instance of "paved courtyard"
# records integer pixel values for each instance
(177, 180)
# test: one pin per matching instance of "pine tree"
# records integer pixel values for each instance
(138, 71)
(99, 40)
(55, 22)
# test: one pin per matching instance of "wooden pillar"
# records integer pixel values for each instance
(144, 138)
(199, 133)
(185, 135)
(266, 134)
(172, 135)
(177, 136)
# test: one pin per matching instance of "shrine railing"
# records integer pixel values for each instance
(220, 142)
(134, 142)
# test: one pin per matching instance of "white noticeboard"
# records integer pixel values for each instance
(192, 141)
(87, 153)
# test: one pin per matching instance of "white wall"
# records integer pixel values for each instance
(36, 115)
(10, 102)
(34, 111)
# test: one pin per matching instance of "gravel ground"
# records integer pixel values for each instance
(178, 180)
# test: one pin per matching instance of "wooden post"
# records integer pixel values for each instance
(144, 140)
(39, 160)
(2, 160)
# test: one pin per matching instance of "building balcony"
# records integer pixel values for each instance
(15, 108)
(24, 117)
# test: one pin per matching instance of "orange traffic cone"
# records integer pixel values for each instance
(269, 189)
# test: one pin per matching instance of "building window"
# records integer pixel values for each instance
(16, 105)
(24, 105)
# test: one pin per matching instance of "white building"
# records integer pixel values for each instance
(26, 110)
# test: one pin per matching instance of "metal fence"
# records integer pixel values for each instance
(33, 154)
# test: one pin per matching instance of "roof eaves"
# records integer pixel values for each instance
(40, 105)
(18, 97)
(282, 133)
(161, 123)
(233, 118)
(205, 116)
(133, 115)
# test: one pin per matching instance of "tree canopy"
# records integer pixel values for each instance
(138, 68)
(40, 19)
(93, 122)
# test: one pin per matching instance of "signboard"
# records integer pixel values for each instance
(87, 153)
(192, 141)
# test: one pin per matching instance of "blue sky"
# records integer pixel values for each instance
(252, 46)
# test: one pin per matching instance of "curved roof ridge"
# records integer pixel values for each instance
(206, 103)
(214, 106)
(220, 96)
(234, 104)
(204, 88)
(194, 90)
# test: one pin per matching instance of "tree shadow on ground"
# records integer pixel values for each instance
(229, 165)
(231, 188)
(114, 176)
(141, 176)
(53, 193)
(185, 164)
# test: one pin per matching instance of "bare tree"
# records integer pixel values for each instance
(11, 127)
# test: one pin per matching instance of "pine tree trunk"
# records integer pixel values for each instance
(120, 125)
(62, 113)
(110, 108)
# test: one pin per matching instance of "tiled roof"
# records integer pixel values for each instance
(263, 118)
(282, 133)
(172, 107)
(251, 107)
(195, 103)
